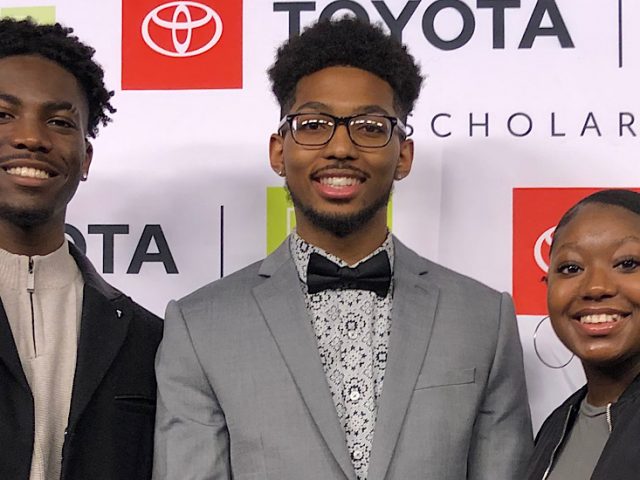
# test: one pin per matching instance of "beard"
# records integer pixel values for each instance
(24, 218)
(341, 225)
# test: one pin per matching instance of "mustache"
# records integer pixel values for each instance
(23, 156)
(341, 165)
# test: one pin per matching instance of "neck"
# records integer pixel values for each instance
(30, 241)
(606, 384)
(351, 248)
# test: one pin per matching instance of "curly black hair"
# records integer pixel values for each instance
(55, 42)
(346, 42)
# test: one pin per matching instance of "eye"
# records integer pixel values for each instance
(370, 126)
(627, 264)
(313, 123)
(568, 269)
(62, 123)
(5, 116)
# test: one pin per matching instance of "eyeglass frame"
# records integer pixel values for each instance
(406, 130)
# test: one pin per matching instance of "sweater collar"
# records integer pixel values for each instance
(54, 270)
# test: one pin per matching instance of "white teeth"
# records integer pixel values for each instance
(600, 318)
(28, 172)
(339, 181)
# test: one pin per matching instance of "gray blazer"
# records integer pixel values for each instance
(242, 393)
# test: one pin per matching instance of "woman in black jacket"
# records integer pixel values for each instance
(594, 306)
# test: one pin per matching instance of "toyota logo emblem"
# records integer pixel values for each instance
(182, 20)
(543, 243)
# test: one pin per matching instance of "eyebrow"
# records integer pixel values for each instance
(13, 100)
(622, 241)
(629, 238)
(53, 105)
(322, 107)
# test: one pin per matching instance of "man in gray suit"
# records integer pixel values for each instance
(342, 355)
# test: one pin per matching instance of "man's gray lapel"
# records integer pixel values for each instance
(281, 301)
(413, 313)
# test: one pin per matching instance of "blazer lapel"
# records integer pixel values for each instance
(9, 352)
(282, 304)
(103, 328)
(413, 313)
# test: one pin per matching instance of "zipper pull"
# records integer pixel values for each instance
(31, 278)
(609, 422)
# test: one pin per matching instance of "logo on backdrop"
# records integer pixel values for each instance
(536, 212)
(181, 45)
(281, 218)
(183, 23)
(541, 249)
(545, 19)
(152, 247)
(41, 15)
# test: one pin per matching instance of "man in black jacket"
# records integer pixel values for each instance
(77, 388)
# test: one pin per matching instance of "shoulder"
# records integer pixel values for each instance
(144, 326)
(232, 287)
(239, 282)
(556, 419)
(448, 281)
(141, 318)
(146, 319)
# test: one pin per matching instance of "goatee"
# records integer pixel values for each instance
(341, 225)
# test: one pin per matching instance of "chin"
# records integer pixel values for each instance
(340, 223)
(605, 360)
(23, 217)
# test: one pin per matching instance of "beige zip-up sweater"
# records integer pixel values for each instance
(42, 297)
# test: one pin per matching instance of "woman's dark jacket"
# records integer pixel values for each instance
(620, 459)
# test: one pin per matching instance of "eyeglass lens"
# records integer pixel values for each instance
(365, 130)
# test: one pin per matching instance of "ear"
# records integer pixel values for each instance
(405, 159)
(276, 154)
(88, 156)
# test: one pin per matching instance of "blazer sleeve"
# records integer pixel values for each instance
(503, 439)
(191, 438)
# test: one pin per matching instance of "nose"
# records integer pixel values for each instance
(31, 135)
(598, 284)
(340, 146)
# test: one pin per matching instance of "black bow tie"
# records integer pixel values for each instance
(373, 274)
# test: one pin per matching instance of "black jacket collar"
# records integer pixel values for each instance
(90, 275)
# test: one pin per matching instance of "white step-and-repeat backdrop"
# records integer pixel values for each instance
(528, 105)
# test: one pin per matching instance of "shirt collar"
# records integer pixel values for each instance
(301, 250)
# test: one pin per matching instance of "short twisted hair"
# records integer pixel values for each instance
(55, 42)
(346, 42)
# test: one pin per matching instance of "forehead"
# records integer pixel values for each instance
(597, 222)
(344, 90)
(32, 78)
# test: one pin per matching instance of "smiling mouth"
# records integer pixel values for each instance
(28, 172)
(600, 318)
(338, 182)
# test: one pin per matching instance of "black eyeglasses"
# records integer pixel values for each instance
(365, 130)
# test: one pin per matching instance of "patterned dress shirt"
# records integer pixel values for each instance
(352, 328)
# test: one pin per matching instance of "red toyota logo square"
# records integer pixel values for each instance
(172, 45)
(536, 211)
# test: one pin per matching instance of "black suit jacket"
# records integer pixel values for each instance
(111, 420)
